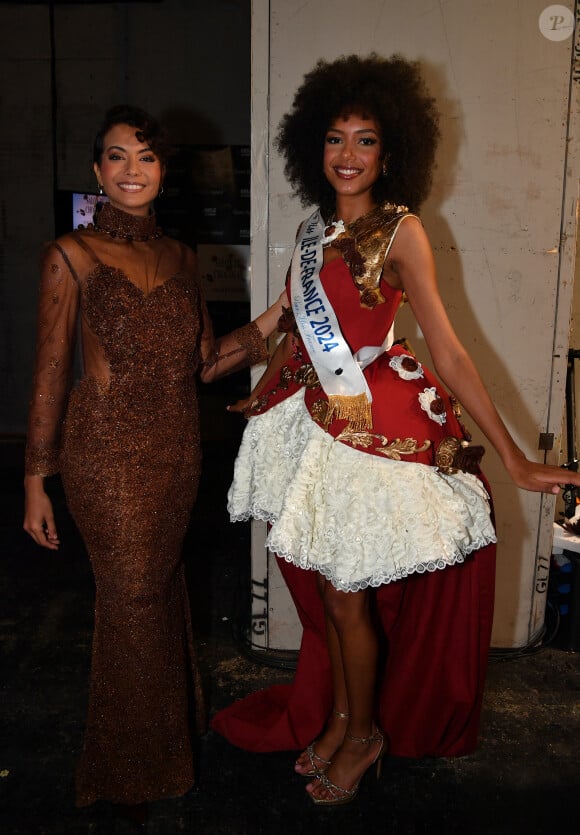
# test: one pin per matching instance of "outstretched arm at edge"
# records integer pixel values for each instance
(411, 266)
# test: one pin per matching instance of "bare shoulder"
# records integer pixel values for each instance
(411, 242)
(409, 251)
(410, 230)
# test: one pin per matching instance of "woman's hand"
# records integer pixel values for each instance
(240, 406)
(543, 478)
(38, 514)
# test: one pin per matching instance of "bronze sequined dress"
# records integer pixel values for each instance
(129, 454)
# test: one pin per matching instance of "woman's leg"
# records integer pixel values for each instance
(353, 648)
(333, 735)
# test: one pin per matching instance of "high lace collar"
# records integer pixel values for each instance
(119, 224)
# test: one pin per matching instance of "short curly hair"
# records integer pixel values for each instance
(389, 90)
(148, 130)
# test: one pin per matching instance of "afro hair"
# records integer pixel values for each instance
(389, 90)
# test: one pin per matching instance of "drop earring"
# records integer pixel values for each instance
(100, 189)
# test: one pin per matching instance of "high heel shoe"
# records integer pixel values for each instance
(315, 770)
(342, 796)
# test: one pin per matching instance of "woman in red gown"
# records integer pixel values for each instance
(355, 454)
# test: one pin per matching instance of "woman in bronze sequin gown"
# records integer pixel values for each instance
(127, 444)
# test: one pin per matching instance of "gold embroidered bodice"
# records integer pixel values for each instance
(365, 244)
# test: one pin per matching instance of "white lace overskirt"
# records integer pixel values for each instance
(358, 519)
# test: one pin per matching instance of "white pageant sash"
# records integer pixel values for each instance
(339, 372)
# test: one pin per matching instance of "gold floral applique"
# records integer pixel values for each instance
(390, 449)
(285, 377)
(320, 412)
(306, 376)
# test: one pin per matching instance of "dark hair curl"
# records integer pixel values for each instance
(148, 130)
(389, 90)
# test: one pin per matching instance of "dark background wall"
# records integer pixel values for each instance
(61, 66)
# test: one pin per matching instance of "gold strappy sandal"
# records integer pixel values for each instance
(315, 758)
(342, 796)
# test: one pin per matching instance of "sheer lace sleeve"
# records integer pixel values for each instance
(242, 347)
(57, 312)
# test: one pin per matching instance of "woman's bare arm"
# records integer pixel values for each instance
(411, 266)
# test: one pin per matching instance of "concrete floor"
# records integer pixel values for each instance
(524, 778)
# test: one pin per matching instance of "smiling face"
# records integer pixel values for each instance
(353, 158)
(129, 171)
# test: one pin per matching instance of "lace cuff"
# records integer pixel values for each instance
(250, 338)
(41, 460)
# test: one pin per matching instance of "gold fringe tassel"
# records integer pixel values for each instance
(355, 408)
